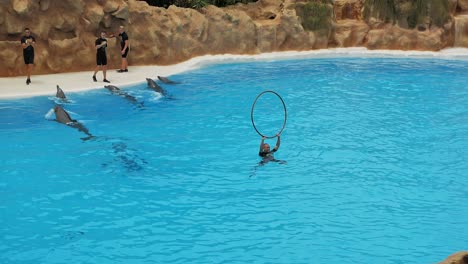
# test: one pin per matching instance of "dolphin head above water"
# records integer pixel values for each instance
(60, 93)
(166, 80)
(61, 115)
(112, 88)
(154, 86)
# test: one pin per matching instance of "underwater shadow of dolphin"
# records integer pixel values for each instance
(116, 90)
(166, 80)
(126, 156)
(63, 117)
(130, 161)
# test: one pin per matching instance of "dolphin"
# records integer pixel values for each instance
(166, 80)
(155, 87)
(116, 90)
(60, 94)
(63, 117)
(112, 88)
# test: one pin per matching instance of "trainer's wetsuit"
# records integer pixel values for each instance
(267, 156)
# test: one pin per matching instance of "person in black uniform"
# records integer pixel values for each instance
(27, 42)
(125, 47)
(266, 153)
(101, 56)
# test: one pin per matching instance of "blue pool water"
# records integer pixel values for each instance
(376, 152)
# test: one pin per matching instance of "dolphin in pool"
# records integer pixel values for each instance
(155, 87)
(60, 94)
(116, 90)
(112, 88)
(166, 80)
(63, 117)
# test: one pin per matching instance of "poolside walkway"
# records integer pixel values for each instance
(15, 87)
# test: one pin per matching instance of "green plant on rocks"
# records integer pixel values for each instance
(384, 10)
(436, 12)
(316, 15)
(418, 12)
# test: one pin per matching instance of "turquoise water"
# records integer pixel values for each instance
(376, 152)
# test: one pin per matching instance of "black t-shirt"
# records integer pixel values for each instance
(29, 48)
(266, 154)
(101, 50)
(123, 37)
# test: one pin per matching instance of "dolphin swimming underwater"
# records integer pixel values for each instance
(63, 117)
(155, 87)
(116, 90)
(166, 80)
(60, 94)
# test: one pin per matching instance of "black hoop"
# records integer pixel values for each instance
(285, 113)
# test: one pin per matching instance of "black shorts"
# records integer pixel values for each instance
(28, 57)
(125, 53)
(101, 59)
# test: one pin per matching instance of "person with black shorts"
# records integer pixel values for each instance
(27, 42)
(125, 47)
(101, 56)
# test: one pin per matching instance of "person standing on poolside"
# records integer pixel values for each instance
(27, 42)
(125, 47)
(101, 56)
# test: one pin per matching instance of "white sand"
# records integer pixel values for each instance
(14, 87)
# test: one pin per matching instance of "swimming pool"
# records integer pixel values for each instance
(376, 152)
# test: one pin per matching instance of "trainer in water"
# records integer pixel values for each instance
(265, 152)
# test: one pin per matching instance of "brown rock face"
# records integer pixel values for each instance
(462, 5)
(457, 258)
(66, 30)
(348, 9)
(461, 31)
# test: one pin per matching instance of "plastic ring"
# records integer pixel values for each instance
(285, 114)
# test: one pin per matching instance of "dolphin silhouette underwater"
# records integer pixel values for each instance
(116, 90)
(63, 117)
(155, 87)
(166, 80)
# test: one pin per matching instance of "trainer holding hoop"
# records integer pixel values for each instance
(265, 151)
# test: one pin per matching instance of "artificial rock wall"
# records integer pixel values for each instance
(65, 31)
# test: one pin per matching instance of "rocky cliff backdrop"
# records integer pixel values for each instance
(65, 30)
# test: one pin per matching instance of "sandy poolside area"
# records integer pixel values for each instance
(15, 87)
